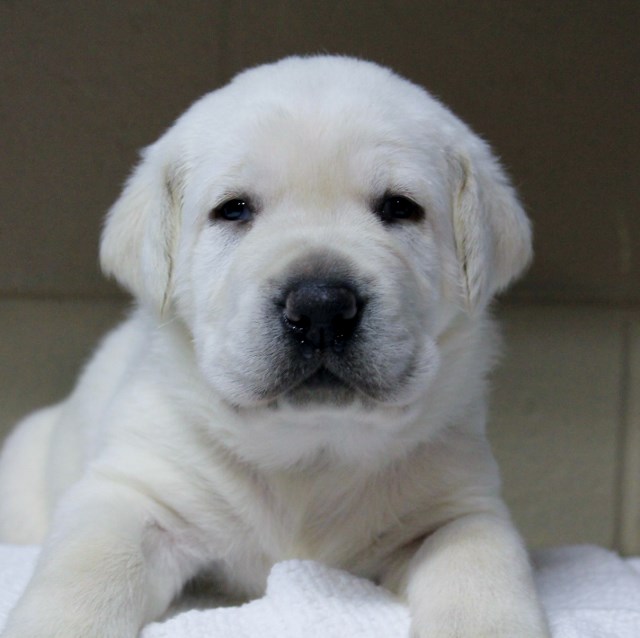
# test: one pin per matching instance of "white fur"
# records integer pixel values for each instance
(179, 452)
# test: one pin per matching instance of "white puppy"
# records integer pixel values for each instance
(313, 248)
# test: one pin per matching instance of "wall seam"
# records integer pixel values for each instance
(628, 502)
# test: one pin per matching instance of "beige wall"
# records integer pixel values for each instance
(553, 85)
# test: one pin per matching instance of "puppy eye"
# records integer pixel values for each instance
(233, 210)
(395, 208)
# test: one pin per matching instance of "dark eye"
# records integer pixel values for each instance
(233, 210)
(393, 208)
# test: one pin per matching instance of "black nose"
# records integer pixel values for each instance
(321, 315)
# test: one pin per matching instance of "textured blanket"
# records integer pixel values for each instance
(588, 592)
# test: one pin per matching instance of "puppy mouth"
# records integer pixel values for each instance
(321, 379)
(320, 387)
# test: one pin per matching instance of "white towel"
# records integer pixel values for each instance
(588, 592)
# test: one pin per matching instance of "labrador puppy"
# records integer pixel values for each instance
(312, 250)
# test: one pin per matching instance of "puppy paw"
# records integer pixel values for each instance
(456, 627)
(478, 632)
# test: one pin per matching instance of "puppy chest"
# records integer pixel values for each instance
(339, 520)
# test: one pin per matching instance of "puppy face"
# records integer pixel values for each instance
(329, 278)
(317, 224)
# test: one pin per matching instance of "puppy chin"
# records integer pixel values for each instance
(331, 390)
(322, 387)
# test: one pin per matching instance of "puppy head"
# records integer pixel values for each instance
(312, 184)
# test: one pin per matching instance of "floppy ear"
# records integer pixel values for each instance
(141, 230)
(492, 231)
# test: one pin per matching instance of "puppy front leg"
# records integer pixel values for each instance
(108, 566)
(472, 579)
